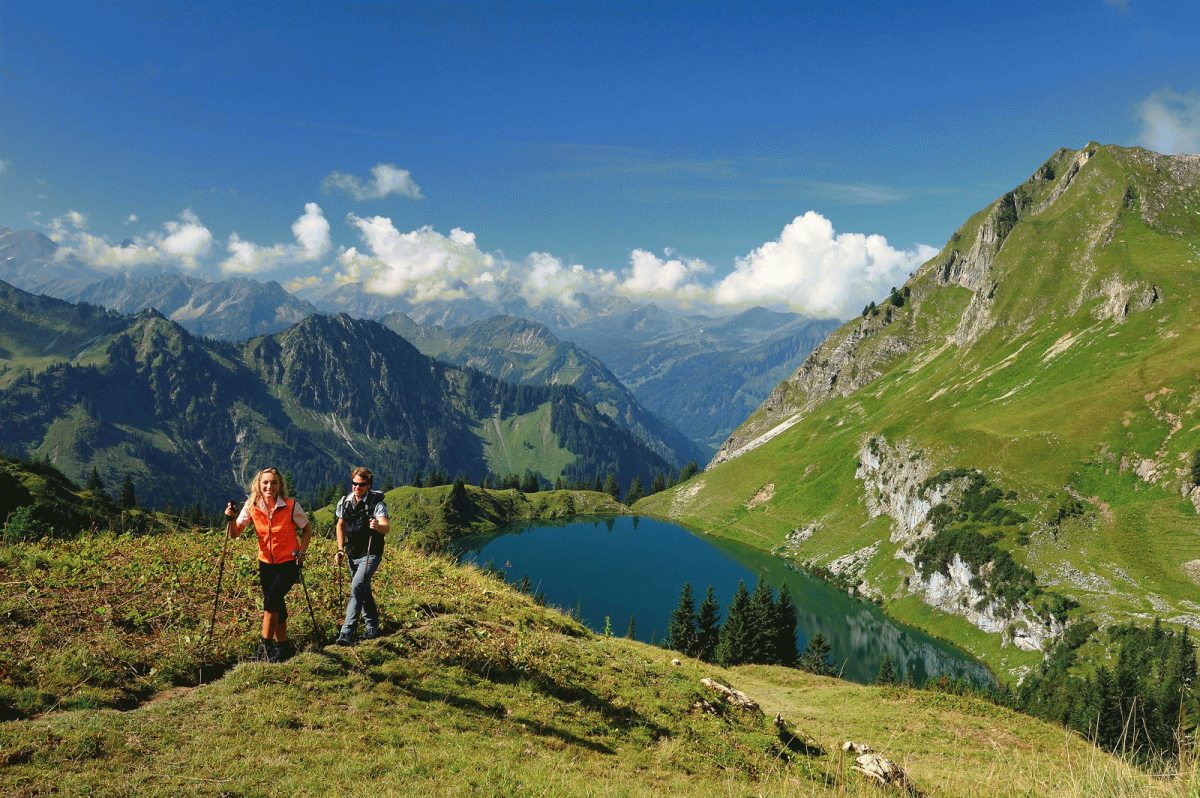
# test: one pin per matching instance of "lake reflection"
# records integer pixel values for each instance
(630, 566)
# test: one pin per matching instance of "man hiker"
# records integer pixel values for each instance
(283, 532)
(362, 523)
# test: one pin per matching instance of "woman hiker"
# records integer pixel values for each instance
(283, 534)
(362, 522)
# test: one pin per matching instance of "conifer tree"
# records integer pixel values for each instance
(785, 628)
(887, 671)
(610, 485)
(762, 624)
(1108, 719)
(128, 496)
(708, 626)
(681, 628)
(733, 645)
(659, 483)
(815, 658)
(631, 629)
(95, 484)
(635, 491)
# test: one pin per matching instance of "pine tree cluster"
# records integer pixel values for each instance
(1144, 705)
(758, 628)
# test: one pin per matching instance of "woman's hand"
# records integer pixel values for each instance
(231, 528)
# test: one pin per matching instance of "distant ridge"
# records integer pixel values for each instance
(140, 396)
(1008, 444)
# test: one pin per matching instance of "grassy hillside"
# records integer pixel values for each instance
(474, 689)
(524, 442)
(1051, 346)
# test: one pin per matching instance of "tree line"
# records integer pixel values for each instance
(758, 628)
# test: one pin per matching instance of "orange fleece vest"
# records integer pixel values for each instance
(277, 539)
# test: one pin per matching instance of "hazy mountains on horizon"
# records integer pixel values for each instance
(704, 372)
(140, 396)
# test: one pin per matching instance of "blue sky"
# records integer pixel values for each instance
(652, 148)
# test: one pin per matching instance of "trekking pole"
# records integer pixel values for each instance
(311, 615)
(212, 622)
(338, 568)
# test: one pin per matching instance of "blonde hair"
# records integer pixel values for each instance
(256, 490)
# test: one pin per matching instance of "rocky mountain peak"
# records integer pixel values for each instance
(1052, 246)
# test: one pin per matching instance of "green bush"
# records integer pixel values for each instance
(24, 525)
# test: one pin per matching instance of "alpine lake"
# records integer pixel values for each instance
(613, 568)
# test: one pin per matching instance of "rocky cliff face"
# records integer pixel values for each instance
(895, 484)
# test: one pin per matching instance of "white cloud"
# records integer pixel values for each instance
(422, 264)
(311, 232)
(649, 275)
(809, 269)
(1170, 122)
(133, 218)
(187, 239)
(3, 166)
(182, 243)
(812, 269)
(386, 179)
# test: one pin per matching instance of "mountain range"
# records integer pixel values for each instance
(704, 373)
(525, 352)
(139, 395)
(1009, 443)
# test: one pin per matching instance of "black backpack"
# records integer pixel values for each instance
(359, 538)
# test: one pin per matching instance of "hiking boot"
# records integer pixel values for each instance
(285, 651)
(344, 638)
(265, 652)
(370, 632)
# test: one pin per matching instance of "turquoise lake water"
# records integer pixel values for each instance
(627, 565)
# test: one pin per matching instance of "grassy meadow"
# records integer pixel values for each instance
(474, 689)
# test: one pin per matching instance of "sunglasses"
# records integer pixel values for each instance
(360, 484)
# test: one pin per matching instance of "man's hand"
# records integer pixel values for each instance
(299, 555)
(340, 557)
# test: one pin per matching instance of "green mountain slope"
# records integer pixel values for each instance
(147, 399)
(1012, 432)
(522, 351)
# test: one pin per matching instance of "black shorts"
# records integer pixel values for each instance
(276, 580)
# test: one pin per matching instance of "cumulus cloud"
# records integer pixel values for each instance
(186, 240)
(1170, 122)
(385, 179)
(311, 232)
(650, 275)
(811, 268)
(422, 264)
(133, 218)
(182, 242)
